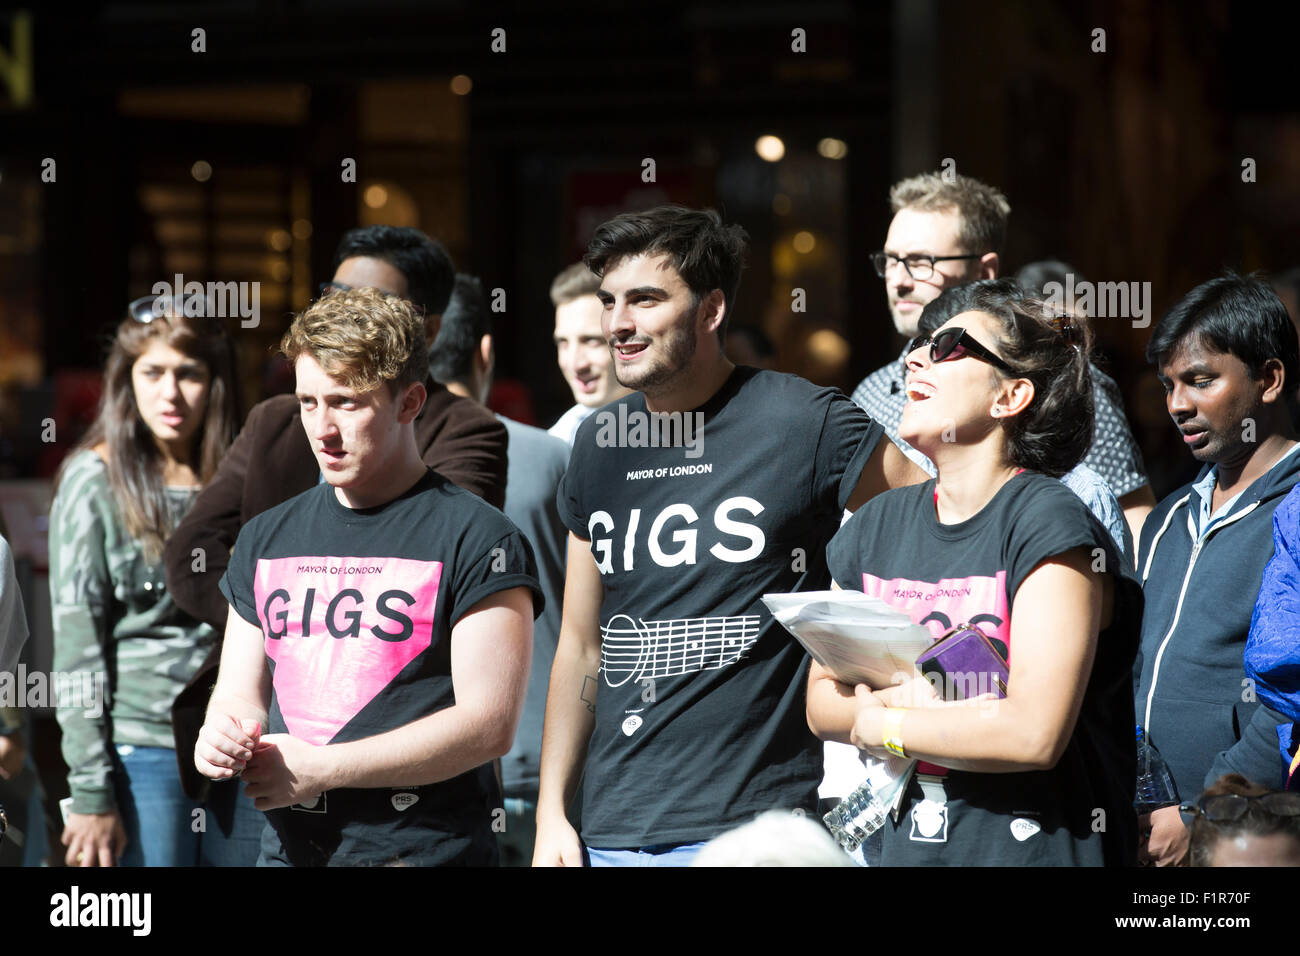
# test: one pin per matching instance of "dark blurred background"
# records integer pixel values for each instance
(226, 164)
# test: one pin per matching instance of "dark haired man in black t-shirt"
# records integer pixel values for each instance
(382, 627)
(687, 501)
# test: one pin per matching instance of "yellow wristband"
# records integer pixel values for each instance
(891, 731)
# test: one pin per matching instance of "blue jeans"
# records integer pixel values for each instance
(665, 854)
(164, 827)
(234, 827)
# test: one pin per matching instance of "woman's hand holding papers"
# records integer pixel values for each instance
(913, 691)
(867, 733)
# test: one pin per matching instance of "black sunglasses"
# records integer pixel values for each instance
(327, 287)
(1228, 807)
(953, 343)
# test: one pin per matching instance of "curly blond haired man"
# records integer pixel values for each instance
(376, 656)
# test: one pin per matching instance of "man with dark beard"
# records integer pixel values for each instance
(672, 682)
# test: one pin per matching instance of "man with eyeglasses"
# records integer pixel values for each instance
(950, 233)
(272, 459)
(942, 235)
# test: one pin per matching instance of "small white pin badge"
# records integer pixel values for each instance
(404, 801)
(1023, 829)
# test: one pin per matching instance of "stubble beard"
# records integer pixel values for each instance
(678, 348)
(905, 328)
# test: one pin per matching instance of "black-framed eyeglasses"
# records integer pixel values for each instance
(953, 343)
(918, 267)
(328, 288)
(1229, 807)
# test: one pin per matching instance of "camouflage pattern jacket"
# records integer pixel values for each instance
(114, 620)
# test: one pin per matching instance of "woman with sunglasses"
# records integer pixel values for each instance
(167, 416)
(999, 398)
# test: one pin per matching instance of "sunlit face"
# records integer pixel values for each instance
(364, 272)
(582, 351)
(1275, 849)
(171, 392)
(913, 232)
(355, 436)
(1210, 395)
(951, 401)
(653, 324)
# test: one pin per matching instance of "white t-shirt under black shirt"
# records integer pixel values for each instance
(700, 717)
(566, 427)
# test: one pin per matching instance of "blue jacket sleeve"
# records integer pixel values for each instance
(1272, 656)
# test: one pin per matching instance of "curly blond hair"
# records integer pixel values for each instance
(363, 338)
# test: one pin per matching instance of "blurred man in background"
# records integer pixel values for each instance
(945, 234)
(581, 348)
(463, 360)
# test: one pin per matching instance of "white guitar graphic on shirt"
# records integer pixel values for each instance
(643, 649)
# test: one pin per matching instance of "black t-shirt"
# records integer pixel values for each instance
(356, 607)
(700, 705)
(1081, 811)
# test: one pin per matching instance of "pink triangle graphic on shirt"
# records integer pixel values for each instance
(979, 600)
(382, 610)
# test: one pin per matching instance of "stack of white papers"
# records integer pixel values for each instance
(859, 639)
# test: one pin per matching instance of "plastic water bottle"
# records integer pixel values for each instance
(1155, 784)
(856, 817)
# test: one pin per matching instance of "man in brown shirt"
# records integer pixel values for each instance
(272, 459)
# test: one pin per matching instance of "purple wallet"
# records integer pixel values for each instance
(967, 663)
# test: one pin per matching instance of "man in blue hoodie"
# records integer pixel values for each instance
(1266, 753)
(1228, 357)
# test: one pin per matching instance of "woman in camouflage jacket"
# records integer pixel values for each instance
(120, 642)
